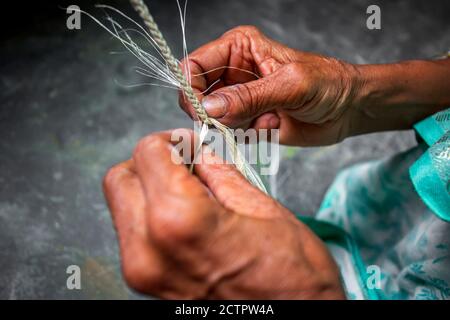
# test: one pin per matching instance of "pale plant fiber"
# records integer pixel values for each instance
(169, 72)
(172, 63)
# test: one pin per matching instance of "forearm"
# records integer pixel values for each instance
(395, 96)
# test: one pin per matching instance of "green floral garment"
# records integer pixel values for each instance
(391, 216)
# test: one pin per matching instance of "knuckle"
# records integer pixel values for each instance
(111, 176)
(182, 224)
(293, 69)
(246, 30)
(181, 133)
(298, 80)
(151, 142)
(177, 231)
(141, 276)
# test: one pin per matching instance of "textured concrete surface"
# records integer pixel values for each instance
(64, 121)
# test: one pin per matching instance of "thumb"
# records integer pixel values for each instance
(241, 103)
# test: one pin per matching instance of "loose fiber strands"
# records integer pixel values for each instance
(168, 71)
(238, 158)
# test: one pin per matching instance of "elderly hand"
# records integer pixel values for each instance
(307, 96)
(312, 99)
(210, 235)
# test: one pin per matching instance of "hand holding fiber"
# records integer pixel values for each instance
(172, 63)
(238, 159)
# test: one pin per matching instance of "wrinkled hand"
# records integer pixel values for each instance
(210, 235)
(307, 96)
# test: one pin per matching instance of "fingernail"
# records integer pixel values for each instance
(214, 105)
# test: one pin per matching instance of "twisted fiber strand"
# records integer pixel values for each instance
(172, 63)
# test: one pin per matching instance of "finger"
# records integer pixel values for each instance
(119, 186)
(230, 57)
(265, 126)
(179, 206)
(234, 105)
(297, 133)
(125, 198)
(186, 105)
(269, 120)
(200, 69)
(209, 57)
(218, 60)
(232, 190)
(160, 166)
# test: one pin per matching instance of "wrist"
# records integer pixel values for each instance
(395, 96)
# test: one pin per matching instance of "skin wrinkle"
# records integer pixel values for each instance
(236, 48)
(195, 278)
(183, 288)
(228, 53)
(226, 277)
(306, 103)
(254, 262)
(245, 96)
(267, 259)
(255, 53)
(179, 237)
(180, 227)
(219, 274)
(221, 238)
(237, 52)
(345, 93)
(185, 85)
(201, 71)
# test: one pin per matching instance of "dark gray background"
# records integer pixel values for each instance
(64, 121)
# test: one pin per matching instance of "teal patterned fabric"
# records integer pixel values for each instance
(397, 212)
(431, 173)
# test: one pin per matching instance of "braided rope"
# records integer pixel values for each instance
(238, 159)
(172, 63)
